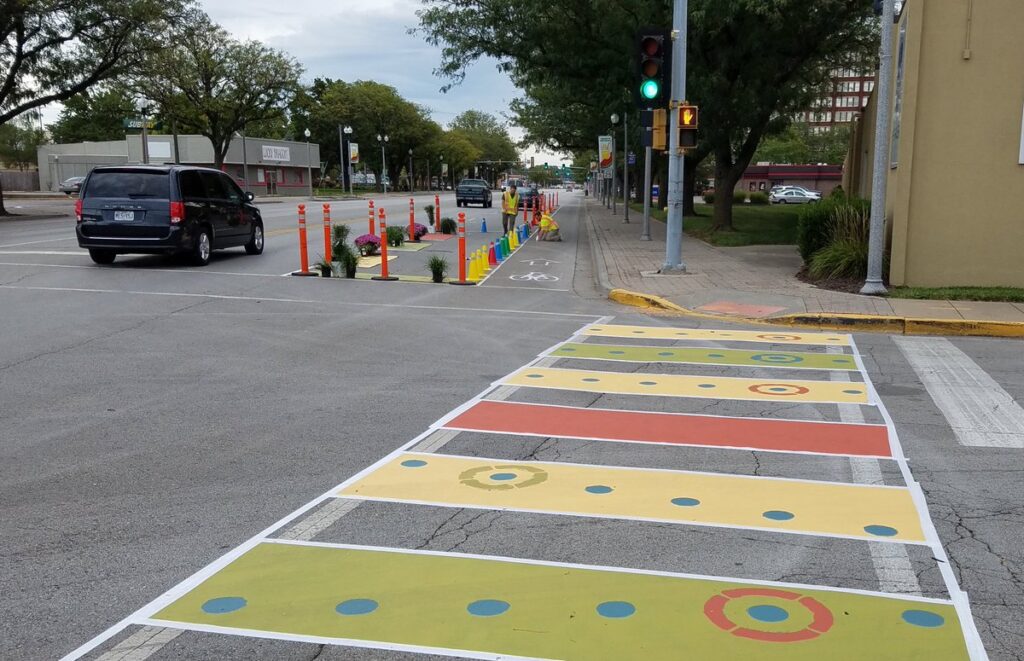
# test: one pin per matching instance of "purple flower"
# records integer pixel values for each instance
(368, 244)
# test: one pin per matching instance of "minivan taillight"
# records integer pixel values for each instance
(177, 212)
(78, 210)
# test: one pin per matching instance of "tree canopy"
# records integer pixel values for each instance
(93, 116)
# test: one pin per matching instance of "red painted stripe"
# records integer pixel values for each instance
(675, 429)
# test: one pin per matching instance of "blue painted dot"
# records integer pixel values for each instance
(706, 385)
(222, 605)
(534, 376)
(616, 353)
(778, 515)
(591, 380)
(488, 607)
(852, 392)
(568, 349)
(616, 609)
(356, 607)
(648, 383)
(665, 353)
(716, 355)
(414, 463)
(685, 502)
(599, 489)
(923, 619)
(682, 333)
(777, 389)
(503, 477)
(768, 613)
(880, 531)
(841, 361)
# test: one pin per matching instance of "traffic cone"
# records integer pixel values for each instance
(512, 242)
(504, 247)
(485, 261)
(492, 258)
(499, 251)
(483, 226)
(474, 267)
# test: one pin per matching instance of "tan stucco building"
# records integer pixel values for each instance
(955, 199)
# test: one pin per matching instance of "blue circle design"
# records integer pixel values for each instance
(616, 353)
(923, 619)
(685, 502)
(534, 376)
(665, 353)
(716, 355)
(841, 361)
(356, 607)
(706, 385)
(414, 463)
(599, 489)
(648, 383)
(778, 358)
(488, 607)
(778, 515)
(765, 613)
(503, 477)
(616, 609)
(777, 389)
(852, 392)
(591, 380)
(222, 605)
(639, 332)
(880, 531)
(568, 349)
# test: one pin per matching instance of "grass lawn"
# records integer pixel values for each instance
(754, 225)
(1012, 294)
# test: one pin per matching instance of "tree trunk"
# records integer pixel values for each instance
(725, 182)
(3, 209)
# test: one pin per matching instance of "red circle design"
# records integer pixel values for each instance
(780, 338)
(761, 389)
(714, 610)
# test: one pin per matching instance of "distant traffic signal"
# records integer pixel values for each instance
(653, 53)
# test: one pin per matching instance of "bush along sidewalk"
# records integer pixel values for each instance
(449, 226)
(438, 267)
(832, 236)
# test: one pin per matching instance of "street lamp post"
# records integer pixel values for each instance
(348, 158)
(383, 164)
(309, 162)
(410, 171)
(625, 164)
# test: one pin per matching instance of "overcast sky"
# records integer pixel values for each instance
(369, 40)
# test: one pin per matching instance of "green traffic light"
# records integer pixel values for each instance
(650, 89)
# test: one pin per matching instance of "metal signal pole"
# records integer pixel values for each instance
(674, 230)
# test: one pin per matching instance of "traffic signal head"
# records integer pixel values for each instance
(653, 53)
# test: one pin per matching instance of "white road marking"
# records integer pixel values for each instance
(32, 243)
(141, 645)
(79, 253)
(892, 563)
(93, 267)
(320, 520)
(980, 412)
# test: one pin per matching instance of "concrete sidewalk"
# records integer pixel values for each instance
(759, 282)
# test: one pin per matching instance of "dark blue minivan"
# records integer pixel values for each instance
(166, 209)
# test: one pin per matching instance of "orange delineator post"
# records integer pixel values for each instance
(437, 213)
(303, 251)
(384, 249)
(373, 227)
(525, 209)
(412, 220)
(556, 199)
(327, 233)
(462, 252)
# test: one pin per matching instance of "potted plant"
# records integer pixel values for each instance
(438, 267)
(419, 231)
(347, 260)
(368, 244)
(396, 236)
(325, 268)
(448, 226)
(339, 235)
(429, 210)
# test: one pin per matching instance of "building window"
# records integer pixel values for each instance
(260, 176)
(869, 85)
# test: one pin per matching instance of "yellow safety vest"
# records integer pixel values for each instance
(510, 204)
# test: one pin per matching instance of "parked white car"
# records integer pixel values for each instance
(792, 196)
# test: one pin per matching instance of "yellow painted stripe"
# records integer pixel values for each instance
(673, 385)
(433, 602)
(701, 498)
(662, 333)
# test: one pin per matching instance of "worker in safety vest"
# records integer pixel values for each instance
(509, 209)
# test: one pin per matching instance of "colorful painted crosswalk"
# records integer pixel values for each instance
(823, 508)
(425, 602)
(701, 356)
(672, 385)
(663, 333)
(674, 429)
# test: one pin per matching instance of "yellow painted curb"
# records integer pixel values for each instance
(831, 321)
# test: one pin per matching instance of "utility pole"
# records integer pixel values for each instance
(245, 162)
(645, 235)
(625, 167)
(145, 134)
(342, 158)
(674, 230)
(879, 179)
(615, 173)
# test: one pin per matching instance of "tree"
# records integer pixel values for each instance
(751, 63)
(457, 151)
(93, 116)
(488, 135)
(216, 86)
(20, 140)
(799, 143)
(51, 50)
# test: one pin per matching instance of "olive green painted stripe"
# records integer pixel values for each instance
(701, 356)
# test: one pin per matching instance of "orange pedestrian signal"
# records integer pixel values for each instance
(688, 120)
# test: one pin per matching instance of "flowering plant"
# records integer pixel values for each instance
(368, 244)
(419, 231)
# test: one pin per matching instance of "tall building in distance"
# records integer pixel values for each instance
(846, 95)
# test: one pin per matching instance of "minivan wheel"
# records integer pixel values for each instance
(255, 245)
(201, 250)
(101, 256)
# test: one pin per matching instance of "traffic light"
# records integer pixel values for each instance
(653, 67)
(688, 126)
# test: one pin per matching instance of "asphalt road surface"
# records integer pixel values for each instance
(224, 463)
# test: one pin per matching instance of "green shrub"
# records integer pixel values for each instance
(438, 267)
(739, 197)
(396, 236)
(429, 210)
(347, 258)
(812, 228)
(758, 197)
(339, 236)
(846, 253)
(449, 226)
(709, 197)
(324, 267)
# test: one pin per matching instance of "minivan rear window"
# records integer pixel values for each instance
(132, 184)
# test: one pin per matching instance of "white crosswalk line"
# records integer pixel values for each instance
(980, 412)
(141, 645)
